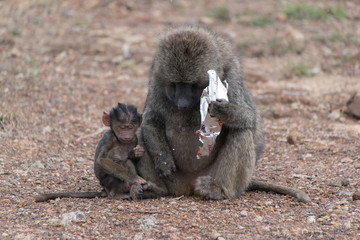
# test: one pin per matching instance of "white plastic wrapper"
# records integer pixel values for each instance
(210, 127)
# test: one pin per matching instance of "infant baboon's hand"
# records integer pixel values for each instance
(138, 151)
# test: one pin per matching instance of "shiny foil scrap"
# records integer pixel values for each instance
(210, 126)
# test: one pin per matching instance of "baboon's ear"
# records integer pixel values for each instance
(106, 119)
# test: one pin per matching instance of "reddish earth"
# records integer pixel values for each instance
(62, 63)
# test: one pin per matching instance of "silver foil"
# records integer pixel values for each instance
(210, 126)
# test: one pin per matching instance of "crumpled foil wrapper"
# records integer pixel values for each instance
(210, 126)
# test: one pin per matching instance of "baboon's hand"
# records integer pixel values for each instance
(165, 169)
(138, 151)
(139, 180)
(136, 191)
(219, 108)
(148, 186)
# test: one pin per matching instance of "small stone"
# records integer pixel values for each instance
(346, 194)
(55, 222)
(138, 236)
(118, 59)
(356, 196)
(15, 52)
(147, 222)
(328, 206)
(70, 217)
(315, 70)
(207, 20)
(215, 236)
(347, 160)
(311, 219)
(267, 228)
(335, 115)
(37, 165)
(345, 182)
(294, 36)
(126, 51)
(347, 225)
(243, 213)
(88, 74)
(46, 130)
(172, 229)
(60, 56)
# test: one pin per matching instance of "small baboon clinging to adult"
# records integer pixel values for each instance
(115, 159)
(171, 119)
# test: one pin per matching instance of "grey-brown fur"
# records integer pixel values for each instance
(115, 159)
(117, 154)
(171, 119)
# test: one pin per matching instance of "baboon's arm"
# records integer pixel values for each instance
(153, 133)
(116, 170)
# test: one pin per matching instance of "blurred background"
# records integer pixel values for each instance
(62, 63)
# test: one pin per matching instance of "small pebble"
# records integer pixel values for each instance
(346, 194)
(311, 219)
(243, 213)
(345, 182)
(347, 225)
(356, 196)
(214, 235)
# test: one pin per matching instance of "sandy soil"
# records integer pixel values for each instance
(62, 63)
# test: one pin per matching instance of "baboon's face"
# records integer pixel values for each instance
(181, 66)
(124, 131)
(123, 121)
(184, 95)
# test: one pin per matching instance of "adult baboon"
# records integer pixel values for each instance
(171, 119)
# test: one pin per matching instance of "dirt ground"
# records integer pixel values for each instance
(62, 63)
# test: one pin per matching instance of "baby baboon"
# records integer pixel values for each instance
(115, 159)
(117, 152)
(172, 118)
